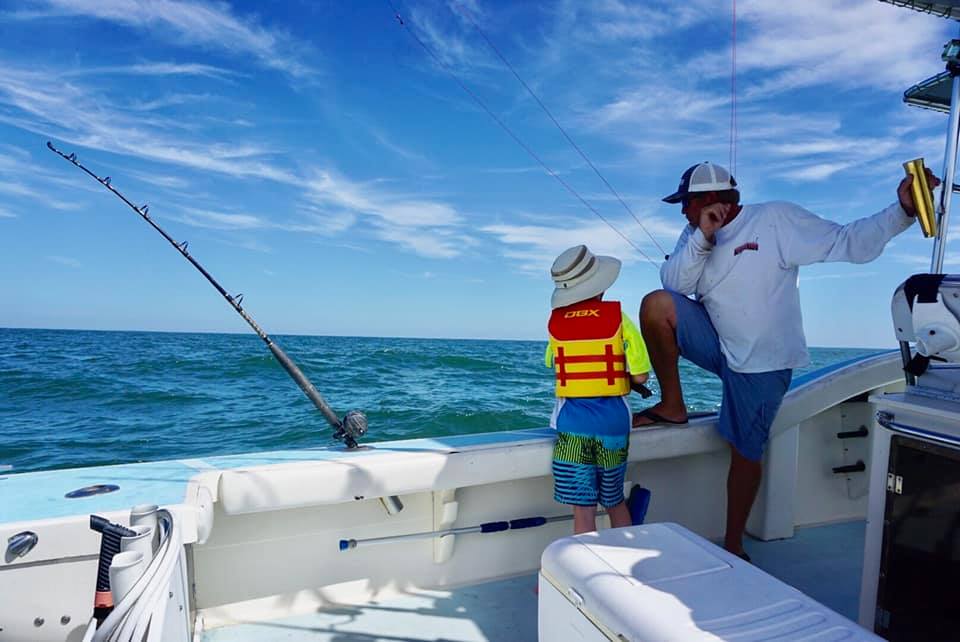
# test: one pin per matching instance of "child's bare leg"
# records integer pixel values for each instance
(619, 515)
(584, 519)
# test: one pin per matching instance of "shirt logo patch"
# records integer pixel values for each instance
(746, 246)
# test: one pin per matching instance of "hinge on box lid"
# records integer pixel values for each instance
(894, 483)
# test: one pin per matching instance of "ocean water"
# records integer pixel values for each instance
(82, 398)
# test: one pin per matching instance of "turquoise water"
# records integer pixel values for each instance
(80, 398)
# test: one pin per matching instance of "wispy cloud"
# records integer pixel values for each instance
(160, 180)
(617, 21)
(663, 109)
(805, 44)
(231, 221)
(252, 244)
(448, 36)
(426, 227)
(816, 172)
(664, 102)
(220, 221)
(80, 115)
(5, 213)
(530, 169)
(431, 243)
(387, 143)
(155, 69)
(534, 247)
(21, 190)
(335, 204)
(206, 25)
(328, 188)
(325, 221)
(64, 260)
(169, 100)
(11, 151)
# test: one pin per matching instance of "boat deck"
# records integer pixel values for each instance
(824, 562)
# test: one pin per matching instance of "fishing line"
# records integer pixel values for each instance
(563, 131)
(512, 135)
(354, 423)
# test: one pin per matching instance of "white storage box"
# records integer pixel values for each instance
(661, 582)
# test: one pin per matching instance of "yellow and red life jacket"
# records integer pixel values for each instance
(588, 355)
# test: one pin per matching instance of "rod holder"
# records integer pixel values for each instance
(859, 433)
(146, 515)
(858, 467)
(391, 504)
(125, 570)
(141, 543)
(19, 545)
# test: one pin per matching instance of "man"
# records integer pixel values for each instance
(741, 264)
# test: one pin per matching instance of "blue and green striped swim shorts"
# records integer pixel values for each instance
(590, 454)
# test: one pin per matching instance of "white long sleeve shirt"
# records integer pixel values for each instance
(748, 280)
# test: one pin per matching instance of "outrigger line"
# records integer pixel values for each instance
(354, 423)
(515, 137)
(466, 14)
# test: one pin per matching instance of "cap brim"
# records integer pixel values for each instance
(676, 197)
(608, 269)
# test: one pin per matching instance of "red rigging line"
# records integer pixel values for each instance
(511, 133)
(733, 93)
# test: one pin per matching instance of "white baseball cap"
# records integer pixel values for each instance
(702, 177)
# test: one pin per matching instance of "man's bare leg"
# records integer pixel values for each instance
(658, 324)
(743, 480)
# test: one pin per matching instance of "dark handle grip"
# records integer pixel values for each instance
(858, 467)
(494, 527)
(859, 433)
(527, 522)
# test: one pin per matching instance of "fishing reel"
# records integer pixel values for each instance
(352, 427)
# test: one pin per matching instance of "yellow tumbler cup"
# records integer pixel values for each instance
(922, 196)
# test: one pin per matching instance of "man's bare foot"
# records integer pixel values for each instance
(659, 415)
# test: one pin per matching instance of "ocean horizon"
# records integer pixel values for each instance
(354, 336)
(71, 398)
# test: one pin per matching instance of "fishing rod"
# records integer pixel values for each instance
(354, 423)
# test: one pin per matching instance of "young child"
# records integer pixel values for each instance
(597, 354)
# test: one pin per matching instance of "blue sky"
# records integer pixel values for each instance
(320, 162)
